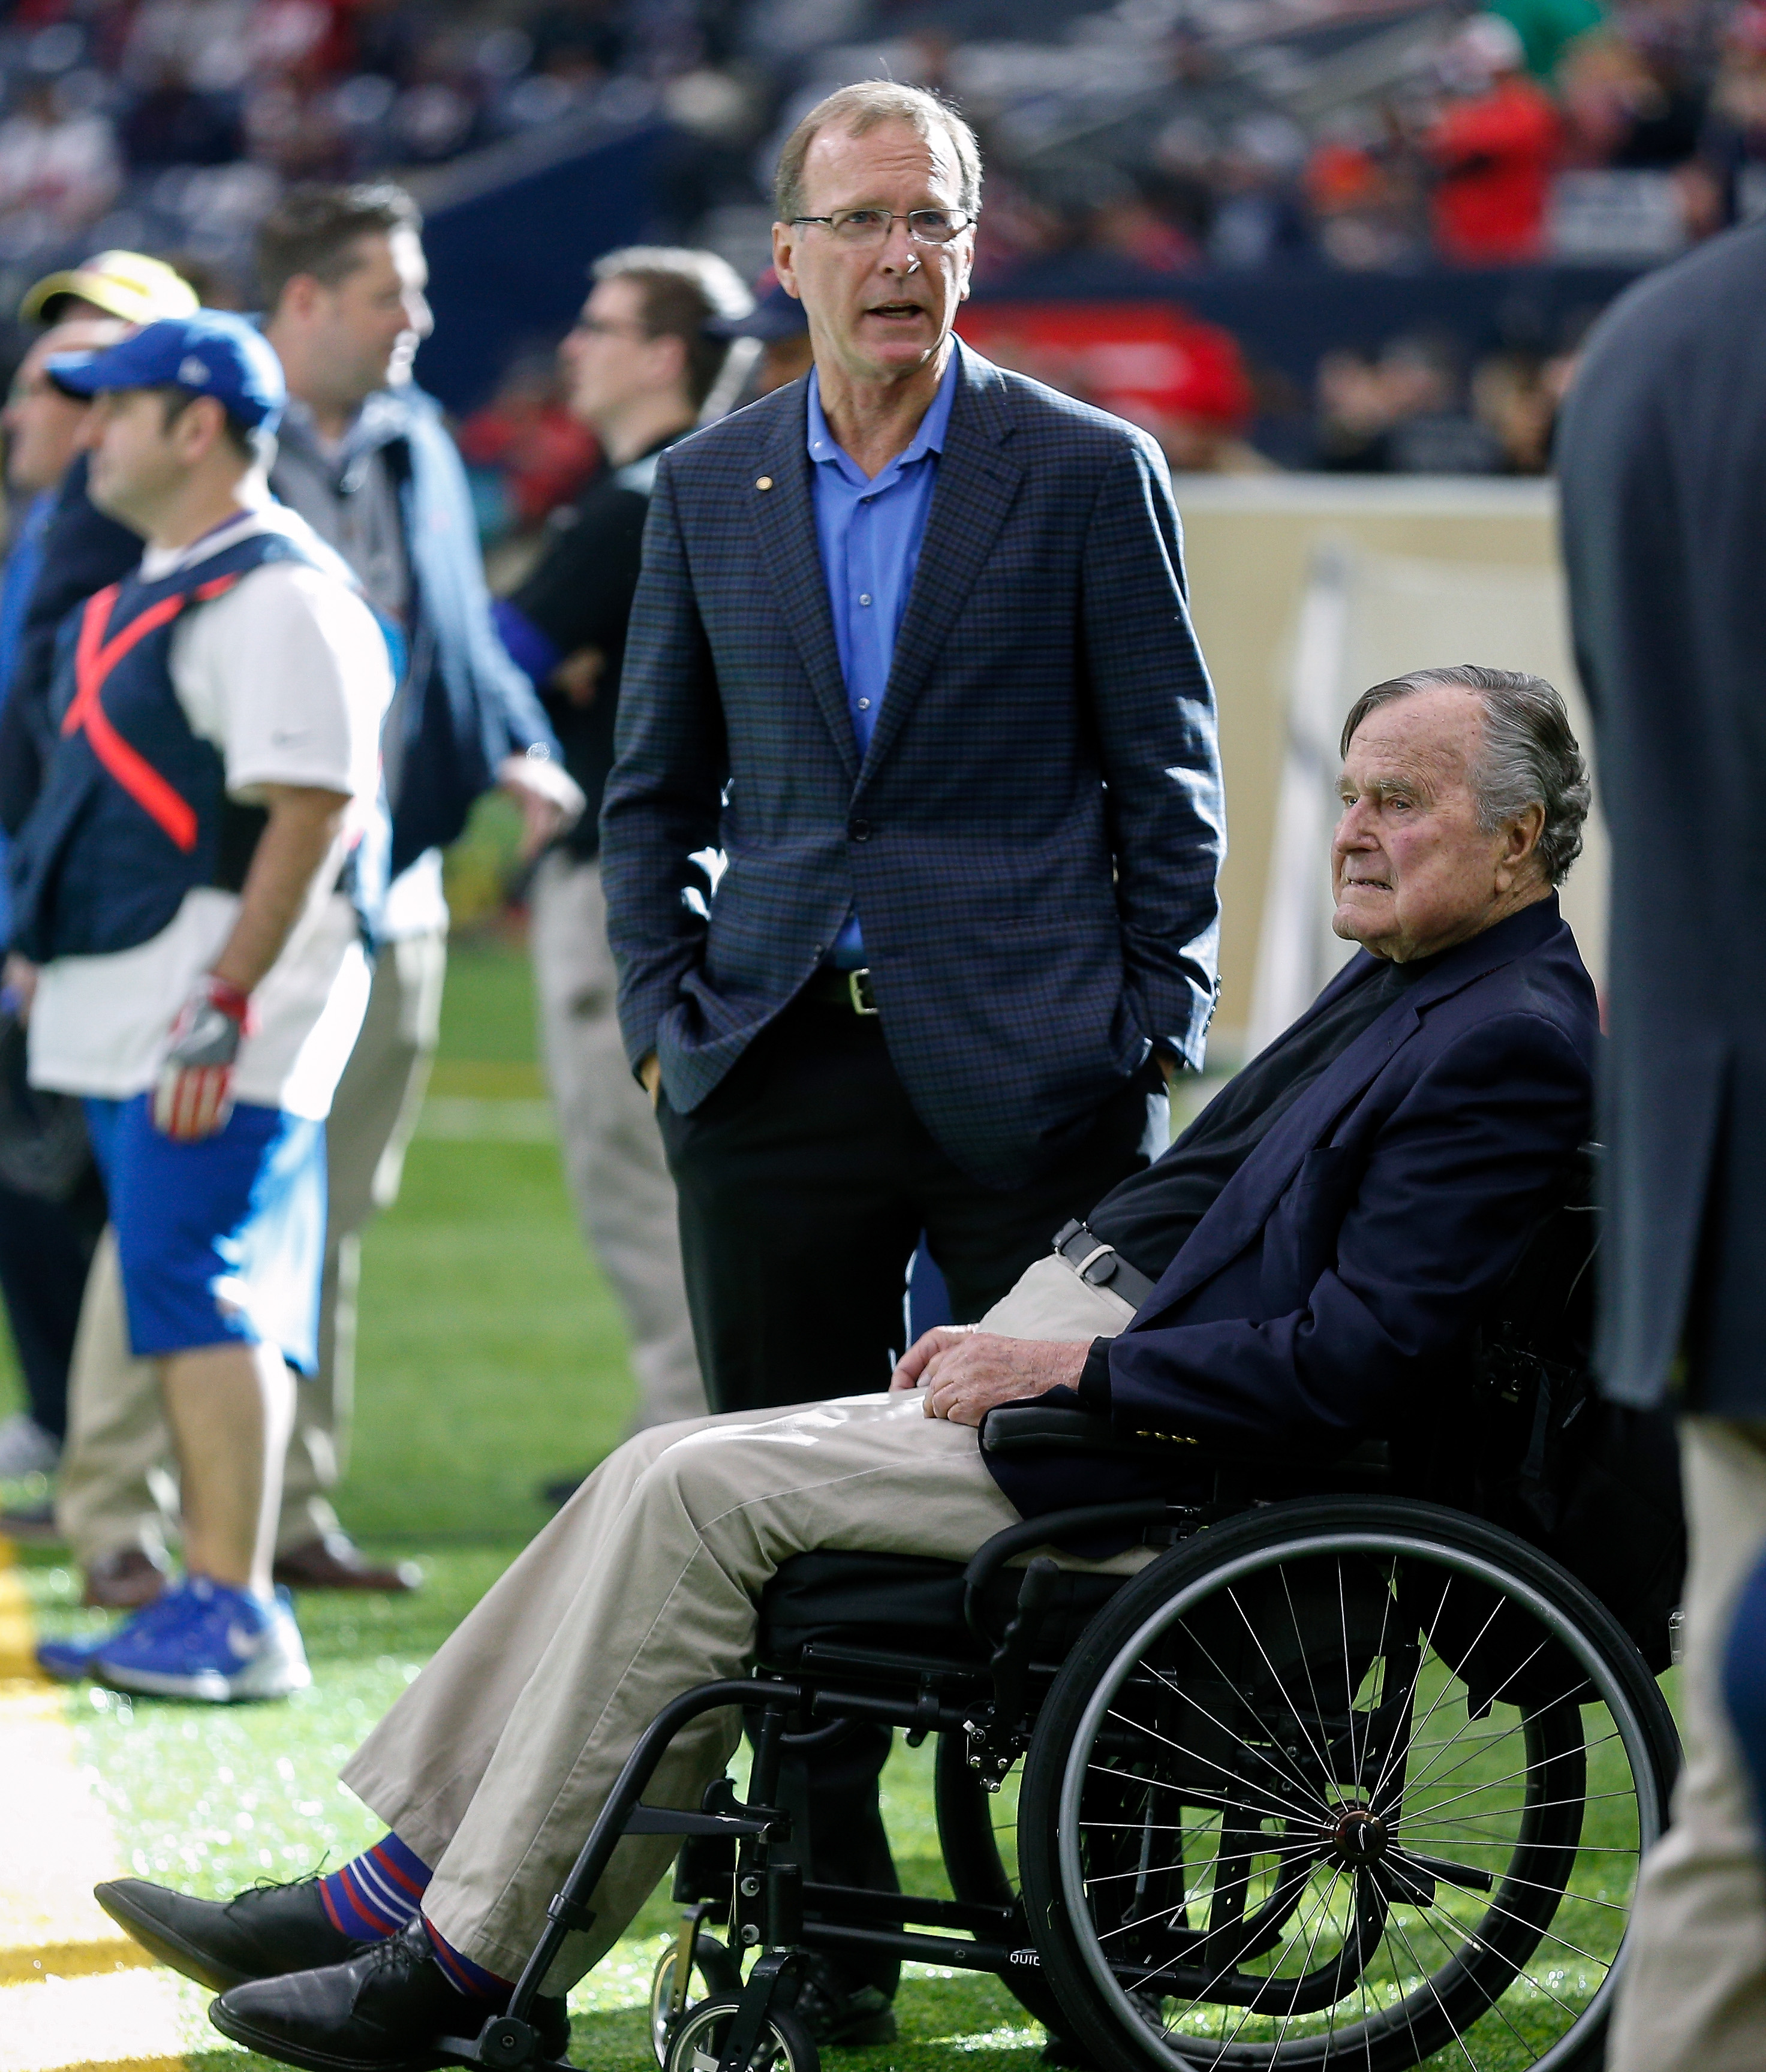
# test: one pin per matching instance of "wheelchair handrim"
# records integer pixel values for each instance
(1398, 1541)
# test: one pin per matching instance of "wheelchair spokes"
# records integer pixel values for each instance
(1345, 1804)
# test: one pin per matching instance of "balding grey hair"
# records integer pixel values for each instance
(861, 108)
(1529, 756)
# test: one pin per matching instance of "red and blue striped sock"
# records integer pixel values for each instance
(467, 1976)
(376, 1893)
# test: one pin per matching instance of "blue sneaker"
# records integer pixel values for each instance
(215, 1644)
(67, 1661)
(70, 1660)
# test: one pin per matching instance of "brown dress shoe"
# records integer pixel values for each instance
(334, 1562)
(125, 1581)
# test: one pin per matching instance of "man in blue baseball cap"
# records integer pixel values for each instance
(178, 882)
(210, 352)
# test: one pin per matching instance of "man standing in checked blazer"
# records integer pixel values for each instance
(911, 845)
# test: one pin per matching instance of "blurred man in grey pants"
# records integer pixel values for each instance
(1663, 458)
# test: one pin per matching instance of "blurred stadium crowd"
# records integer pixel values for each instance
(1155, 140)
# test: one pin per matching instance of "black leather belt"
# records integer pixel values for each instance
(849, 990)
(1101, 1265)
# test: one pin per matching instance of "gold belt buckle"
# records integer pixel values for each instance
(864, 1002)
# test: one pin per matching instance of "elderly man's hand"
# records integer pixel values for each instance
(964, 1372)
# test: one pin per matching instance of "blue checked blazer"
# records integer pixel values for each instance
(1033, 837)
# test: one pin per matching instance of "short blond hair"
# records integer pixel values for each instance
(861, 108)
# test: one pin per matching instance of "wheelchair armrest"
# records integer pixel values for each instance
(1021, 1428)
(1050, 1529)
(1029, 1427)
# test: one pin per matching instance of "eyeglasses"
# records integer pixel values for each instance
(610, 327)
(870, 226)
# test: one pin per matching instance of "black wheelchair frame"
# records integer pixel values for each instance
(1191, 1700)
(736, 1864)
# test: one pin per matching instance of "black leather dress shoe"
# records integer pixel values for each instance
(260, 1933)
(382, 2012)
(839, 2012)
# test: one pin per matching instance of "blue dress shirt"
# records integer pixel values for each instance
(869, 528)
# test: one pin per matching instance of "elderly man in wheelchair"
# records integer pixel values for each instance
(1314, 1760)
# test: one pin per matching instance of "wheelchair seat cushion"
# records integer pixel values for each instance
(905, 1604)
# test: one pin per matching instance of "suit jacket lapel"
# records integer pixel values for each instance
(976, 487)
(1244, 1203)
(785, 520)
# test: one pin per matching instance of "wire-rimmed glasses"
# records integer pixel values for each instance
(859, 227)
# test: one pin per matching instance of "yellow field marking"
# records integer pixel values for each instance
(74, 1995)
(129, 2021)
(18, 1636)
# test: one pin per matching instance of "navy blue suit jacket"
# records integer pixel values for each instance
(1033, 837)
(1335, 1285)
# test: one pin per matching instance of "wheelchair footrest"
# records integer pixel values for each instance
(763, 1823)
(501, 2042)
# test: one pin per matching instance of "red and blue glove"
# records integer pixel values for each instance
(193, 1096)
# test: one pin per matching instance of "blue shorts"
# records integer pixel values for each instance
(222, 1241)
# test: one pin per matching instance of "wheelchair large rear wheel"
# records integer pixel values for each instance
(1343, 1783)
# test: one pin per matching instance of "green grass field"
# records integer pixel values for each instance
(492, 1358)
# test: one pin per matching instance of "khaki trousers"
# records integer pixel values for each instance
(493, 1765)
(612, 1149)
(115, 1488)
(1693, 1997)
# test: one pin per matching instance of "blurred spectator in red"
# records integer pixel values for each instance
(1494, 150)
(1201, 419)
(1365, 208)
(541, 454)
(314, 37)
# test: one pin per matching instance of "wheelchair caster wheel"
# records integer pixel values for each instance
(696, 2045)
(502, 2041)
(715, 1971)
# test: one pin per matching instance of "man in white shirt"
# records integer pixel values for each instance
(362, 456)
(202, 976)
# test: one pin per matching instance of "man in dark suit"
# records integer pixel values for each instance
(910, 848)
(1323, 1242)
(1663, 457)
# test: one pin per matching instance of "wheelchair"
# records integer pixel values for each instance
(1343, 1778)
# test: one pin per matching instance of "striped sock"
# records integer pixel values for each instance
(375, 1894)
(467, 1976)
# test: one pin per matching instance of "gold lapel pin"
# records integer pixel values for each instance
(765, 482)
